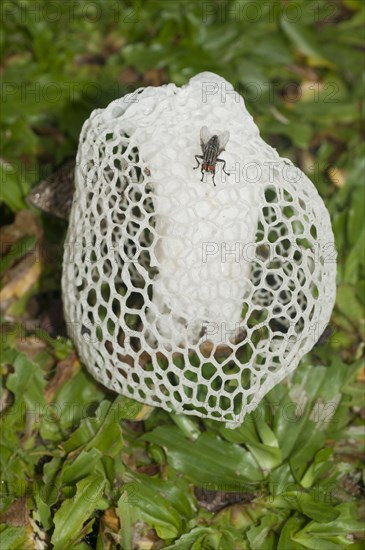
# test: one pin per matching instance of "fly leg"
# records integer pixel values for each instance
(202, 173)
(224, 166)
(196, 158)
(213, 179)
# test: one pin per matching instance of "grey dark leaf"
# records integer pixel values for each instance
(54, 194)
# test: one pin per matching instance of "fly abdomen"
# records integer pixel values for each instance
(211, 151)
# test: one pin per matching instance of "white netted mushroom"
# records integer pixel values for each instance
(194, 297)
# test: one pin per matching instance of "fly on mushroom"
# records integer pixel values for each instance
(212, 145)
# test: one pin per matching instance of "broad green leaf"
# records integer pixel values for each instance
(305, 41)
(187, 426)
(15, 538)
(84, 465)
(319, 511)
(208, 459)
(126, 529)
(13, 186)
(260, 536)
(245, 433)
(316, 543)
(145, 57)
(70, 517)
(280, 479)
(266, 434)
(266, 456)
(348, 303)
(108, 437)
(75, 400)
(191, 540)
(163, 504)
(49, 490)
(355, 223)
(88, 428)
(345, 522)
(354, 262)
(320, 465)
(287, 532)
(27, 383)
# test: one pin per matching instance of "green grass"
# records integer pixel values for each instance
(77, 470)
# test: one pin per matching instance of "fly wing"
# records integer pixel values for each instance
(223, 140)
(205, 136)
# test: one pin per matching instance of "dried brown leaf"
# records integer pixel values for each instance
(17, 514)
(65, 370)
